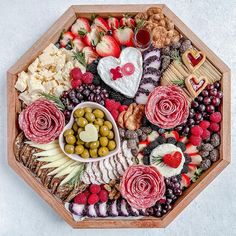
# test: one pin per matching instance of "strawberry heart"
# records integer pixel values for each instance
(195, 85)
(90, 134)
(172, 160)
(130, 62)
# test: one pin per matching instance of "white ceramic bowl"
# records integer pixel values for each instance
(108, 116)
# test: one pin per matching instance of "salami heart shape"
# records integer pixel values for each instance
(129, 82)
(90, 134)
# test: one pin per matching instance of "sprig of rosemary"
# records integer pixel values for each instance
(54, 99)
(80, 57)
(157, 159)
(197, 174)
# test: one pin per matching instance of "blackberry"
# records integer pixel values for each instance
(96, 80)
(92, 67)
(205, 164)
(184, 170)
(207, 147)
(153, 144)
(154, 127)
(204, 154)
(146, 130)
(117, 96)
(215, 140)
(147, 150)
(131, 144)
(134, 152)
(181, 146)
(171, 140)
(127, 101)
(145, 121)
(214, 155)
(146, 160)
(143, 137)
(161, 131)
(187, 158)
(161, 140)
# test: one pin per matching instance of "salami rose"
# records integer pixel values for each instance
(167, 107)
(142, 186)
(41, 121)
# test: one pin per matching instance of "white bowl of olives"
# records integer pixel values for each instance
(91, 134)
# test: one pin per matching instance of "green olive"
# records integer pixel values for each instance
(87, 145)
(70, 139)
(85, 154)
(88, 109)
(81, 122)
(103, 151)
(111, 145)
(79, 149)
(97, 127)
(98, 113)
(93, 153)
(110, 134)
(98, 121)
(75, 126)
(79, 141)
(104, 131)
(68, 131)
(79, 112)
(89, 116)
(80, 130)
(94, 145)
(103, 141)
(69, 149)
(108, 124)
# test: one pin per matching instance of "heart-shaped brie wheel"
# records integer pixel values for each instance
(195, 85)
(90, 133)
(123, 74)
(193, 58)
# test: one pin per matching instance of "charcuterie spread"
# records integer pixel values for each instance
(120, 116)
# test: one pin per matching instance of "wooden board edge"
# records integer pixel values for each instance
(51, 35)
(183, 28)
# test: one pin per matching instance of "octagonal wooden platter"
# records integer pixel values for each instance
(51, 36)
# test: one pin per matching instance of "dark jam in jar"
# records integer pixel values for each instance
(142, 38)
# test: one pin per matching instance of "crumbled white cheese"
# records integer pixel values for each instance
(21, 83)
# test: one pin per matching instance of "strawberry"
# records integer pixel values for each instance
(108, 47)
(94, 188)
(90, 38)
(191, 170)
(81, 24)
(89, 54)
(87, 78)
(196, 159)
(185, 182)
(103, 196)
(191, 149)
(183, 139)
(172, 160)
(66, 37)
(81, 198)
(113, 22)
(78, 43)
(124, 36)
(76, 73)
(127, 21)
(93, 199)
(100, 22)
(170, 134)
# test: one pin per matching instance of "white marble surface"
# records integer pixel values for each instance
(23, 212)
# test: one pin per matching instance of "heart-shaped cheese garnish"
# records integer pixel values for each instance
(130, 64)
(193, 58)
(90, 134)
(195, 85)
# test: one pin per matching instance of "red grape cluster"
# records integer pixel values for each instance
(202, 107)
(84, 93)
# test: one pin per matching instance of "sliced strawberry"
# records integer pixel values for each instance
(127, 21)
(108, 47)
(183, 139)
(100, 22)
(124, 36)
(113, 22)
(81, 24)
(185, 182)
(196, 159)
(98, 28)
(89, 54)
(171, 134)
(78, 43)
(191, 149)
(66, 37)
(191, 170)
(91, 38)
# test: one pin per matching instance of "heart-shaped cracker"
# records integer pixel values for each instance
(128, 84)
(195, 85)
(193, 58)
(90, 133)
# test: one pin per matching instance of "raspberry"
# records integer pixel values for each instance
(81, 198)
(216, 117)
(94, 188)
(206, 134)
(75, 83)
(86, 192)
(214, 127)
(76, 73)
(93, 198)
(103, 196)
(123, 108)
(204, 124)
(195, 140)
(115, 114)
(111, 104)
(196, 130)
(87, 78)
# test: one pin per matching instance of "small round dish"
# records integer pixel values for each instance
(109, 117)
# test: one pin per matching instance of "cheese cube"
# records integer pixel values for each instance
(21, 83)
(33, 67)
